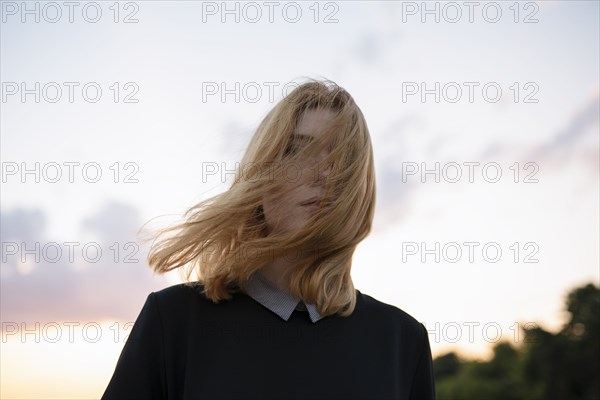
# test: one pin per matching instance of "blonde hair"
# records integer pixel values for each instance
(223, 239)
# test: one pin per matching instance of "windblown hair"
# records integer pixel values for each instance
(224, 239)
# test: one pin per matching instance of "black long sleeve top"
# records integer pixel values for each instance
(183, 346)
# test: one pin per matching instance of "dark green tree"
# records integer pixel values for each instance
(565, 365)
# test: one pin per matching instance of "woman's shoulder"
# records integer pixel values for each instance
(180, 294)
(383, 311)
(191, 296)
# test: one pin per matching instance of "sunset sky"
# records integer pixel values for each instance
(154, 144)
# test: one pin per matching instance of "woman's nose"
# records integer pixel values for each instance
(320, 170)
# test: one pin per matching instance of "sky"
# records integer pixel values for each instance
(135, 100)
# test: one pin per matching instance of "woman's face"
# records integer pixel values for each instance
(289, 211)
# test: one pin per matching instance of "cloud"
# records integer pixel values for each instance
(115, 222)
(578, 139)
(22, 224)
(372, 46)
(406, 140)
(75, 289)
(234, 137)
(390, 150)
(368, 47)
(582, 123)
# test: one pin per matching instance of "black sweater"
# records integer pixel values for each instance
(183, 346)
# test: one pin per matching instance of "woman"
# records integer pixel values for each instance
(272, 312)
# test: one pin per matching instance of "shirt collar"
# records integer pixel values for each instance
(277, 300)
